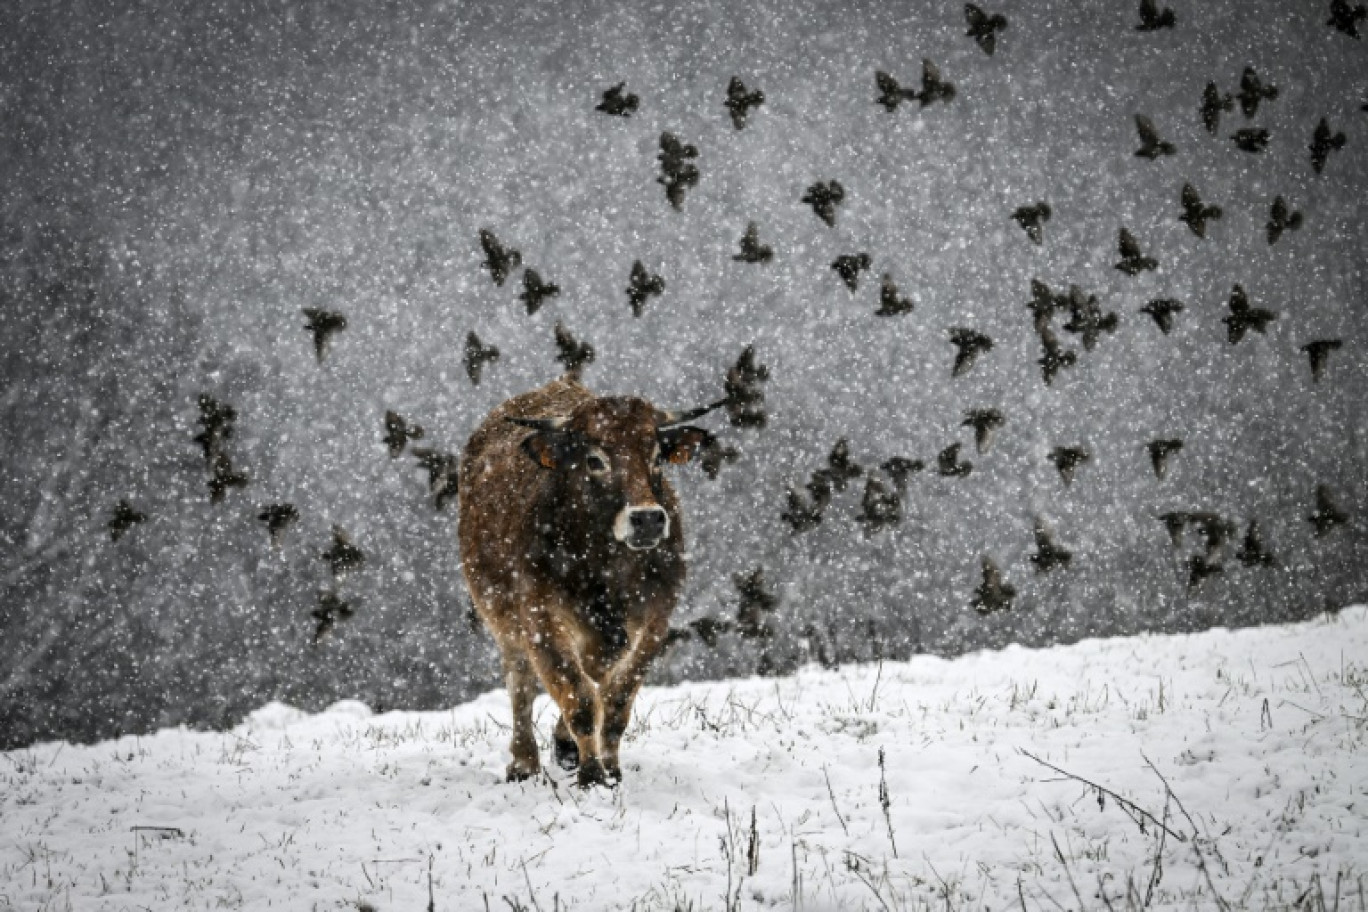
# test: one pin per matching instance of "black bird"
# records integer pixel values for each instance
(677, 171)
(535, 291)
(802, 514)
(641, 286)
(933, 88)
(713, 454)
(499, 260)
(1243, 317)
(1250, 139)
(819, 488)
(1175, 523)
(983, 28)
(752, 251)
(900, 468)
(216, 421)
(891, 93)
(745, 400)
(1213, 103)
(323, 324)
(343, 557)
(1159, 452)
(1319, 353)
(1055, 358)
(739, 101)
(1048, 555)
(443, 470)
(278, 518)
(1162, 310)
(708, 629)
(1067, 460)
(223, 477)
(1327, 515)
(824, 198)
(1216, 530)
(1132, 260)
(122, 518)
(1195, 213)
(840, 470)
(399, 432)
(1043, 304)
(950, 465)
(880, 507)
(890, 305)
(617, 102)
(1151, 19)
(1346, 18)
(1253, 552)
(1201, 568)
(994, 593)
(571, 352)
(971, 344)
(1086, 318)
(849, 266)
(476, 356)
(1151, 146)
(1323, 142)
(985, 423)
(758, 604)
(1032, 219)
(1281, 219)
(331, 609)
(1252, 91)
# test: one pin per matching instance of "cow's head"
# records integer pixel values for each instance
(608, 455)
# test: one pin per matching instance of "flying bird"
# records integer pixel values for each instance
(1067, 460)
(1132, 260)
(1032, 220)
(1345, 18)
(1252, 91)
(278, 518)
(744, 399)
(343, 557)
(323, 324)
(950, 465)
(985, 423)
(802, 514)
(1151, 19)
(1055, 358)
(1244, 317)
(1213, 104)
(1159, 453)
(642, 285)
(1086, 318)
(1202, 568)
(677, 171)
(1048, 555)
(1250, 139)
(752, 251)
(399, 432)
(1215, 529)
(1327, 514)
(1043, 304)
(1195, 212)
(984, 28)
(994, 593)
(840, 469)
(824, 198)
(1319, 353)
(216, 421)
(1162, 310)
(1253, 552)
(571, 352)
(1323, 142)
(1281, 219)
(443, 473)
(849, 266)
(223, 477)
(618, 102)
(758, 604)
(890, 305)
(499, 260)
(1151, 146)
(971, 344)
(891, 93)
(477, 355)
(880, 507)
(713, 454)
(900, 468)
(739, 101)
(535, 291)
(331, 609)
(933, 87)
(122, 518)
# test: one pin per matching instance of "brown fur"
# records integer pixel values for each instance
(570, 606)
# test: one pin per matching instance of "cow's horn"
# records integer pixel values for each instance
(540, 424)
(669, 418)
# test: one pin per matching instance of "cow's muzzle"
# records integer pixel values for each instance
(641, 528)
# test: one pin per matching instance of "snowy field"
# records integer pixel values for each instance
(1215, 770)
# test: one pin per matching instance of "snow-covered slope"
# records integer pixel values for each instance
(1221, 768)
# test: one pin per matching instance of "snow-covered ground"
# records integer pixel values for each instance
(1221, 769)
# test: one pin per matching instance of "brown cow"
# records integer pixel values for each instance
(572, 548)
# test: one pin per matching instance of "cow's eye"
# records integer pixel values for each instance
(596, 463)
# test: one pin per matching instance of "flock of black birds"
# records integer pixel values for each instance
(885, 486)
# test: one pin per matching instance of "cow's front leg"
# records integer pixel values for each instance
(553, 655)
(522, 691)
(621, 686)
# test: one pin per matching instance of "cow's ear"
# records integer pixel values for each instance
(546, 448)
(679, 444)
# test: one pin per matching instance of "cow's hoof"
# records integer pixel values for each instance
(592, 773)
(519, 771)
(612, 773)
(566, 753)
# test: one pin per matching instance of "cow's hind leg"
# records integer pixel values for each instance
(522, 691)
(566, 750)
